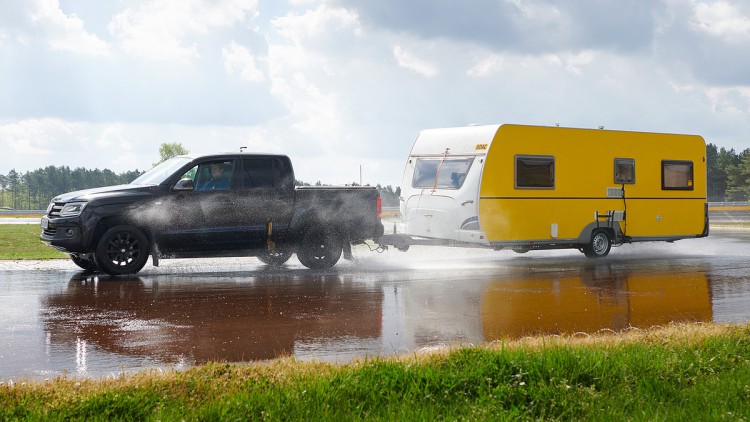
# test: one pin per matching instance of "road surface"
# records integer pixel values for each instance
(56, 320)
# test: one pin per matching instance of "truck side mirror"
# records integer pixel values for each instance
(183, 185)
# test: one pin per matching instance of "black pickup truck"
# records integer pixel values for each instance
(233, 204)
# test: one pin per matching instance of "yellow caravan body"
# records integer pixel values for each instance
(535, 187)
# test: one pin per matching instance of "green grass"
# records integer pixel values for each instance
(21, 241)
(698, 372)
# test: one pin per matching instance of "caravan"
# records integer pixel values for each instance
(533, 187)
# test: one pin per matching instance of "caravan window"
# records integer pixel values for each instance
(442, 173)
(677, 175)
(535, 172)
(624, 170)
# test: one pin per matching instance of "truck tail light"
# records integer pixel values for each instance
(379, 207)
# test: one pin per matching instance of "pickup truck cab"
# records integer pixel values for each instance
(232, 204)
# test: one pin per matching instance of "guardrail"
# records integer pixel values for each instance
(22, 212)
(728, 204)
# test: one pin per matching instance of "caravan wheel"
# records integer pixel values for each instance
(599, 245)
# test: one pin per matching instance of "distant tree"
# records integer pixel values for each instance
(389, 195)
(13, 184)
(168, 150)
(3, 185)
(716, 177)
(738, 178)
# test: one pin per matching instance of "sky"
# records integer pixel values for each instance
(344, 86)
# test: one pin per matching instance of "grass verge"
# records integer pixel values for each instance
(21, 241)
(695, 372)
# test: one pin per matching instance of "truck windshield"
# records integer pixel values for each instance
(161, 172)
(441, 173)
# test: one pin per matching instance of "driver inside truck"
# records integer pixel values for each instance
(218, 180)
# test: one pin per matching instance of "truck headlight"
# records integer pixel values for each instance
(73, 209)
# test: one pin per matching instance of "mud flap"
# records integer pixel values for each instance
(155, 255)
(347, 247)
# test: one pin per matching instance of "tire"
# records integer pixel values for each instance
(275, 258)
(122, 250)
(599, 245)
(319, 249)
(87, 264)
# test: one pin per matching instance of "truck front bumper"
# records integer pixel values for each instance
(64, 234)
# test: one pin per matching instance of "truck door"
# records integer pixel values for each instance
(443, 197)
(201, 207)
(266, 196)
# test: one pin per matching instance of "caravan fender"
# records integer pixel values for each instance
(585, 237)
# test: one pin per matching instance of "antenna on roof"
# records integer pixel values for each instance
(242, 149)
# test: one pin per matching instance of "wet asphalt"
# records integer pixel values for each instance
(56, 320)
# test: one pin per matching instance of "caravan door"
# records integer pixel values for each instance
(442, 198)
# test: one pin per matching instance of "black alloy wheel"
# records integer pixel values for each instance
(87, 263)
(122, 250)
(319, 249)
(275, 257)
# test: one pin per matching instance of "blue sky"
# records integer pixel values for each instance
(341, 84)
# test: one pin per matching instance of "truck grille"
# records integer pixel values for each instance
(55, 208)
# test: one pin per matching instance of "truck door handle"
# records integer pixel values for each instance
(467, 202)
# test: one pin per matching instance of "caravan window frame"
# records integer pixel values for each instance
(435, 179)
(549, 160)
(689, 183)
(621, 179)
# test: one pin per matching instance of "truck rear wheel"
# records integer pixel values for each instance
(319, 249)
(599, 245)
(122, 250)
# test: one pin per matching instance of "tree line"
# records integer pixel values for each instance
(728, 178)
(33, 190)
(728, 174)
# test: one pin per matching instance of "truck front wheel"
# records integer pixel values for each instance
(122, 250)
(276, 257)
(319, 249)
(85, 262)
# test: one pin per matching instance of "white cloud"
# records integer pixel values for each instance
(304, 64)
(238, 60)
(65, 32)
(162, 29)
(326, 82)
(410, 61)
(575, 62)
(487, 66)
(722, 20)
(539, 14)
(316, 24)
(732, 100)
(35, 137)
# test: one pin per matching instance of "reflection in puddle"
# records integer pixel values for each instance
(182, 320)
(570, 304)
(203, 320)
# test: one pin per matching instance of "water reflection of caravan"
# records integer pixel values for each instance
(531, 187)
(520, 307)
